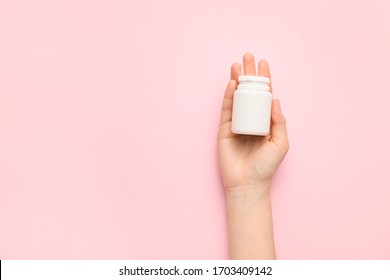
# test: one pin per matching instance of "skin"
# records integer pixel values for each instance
(247, 165)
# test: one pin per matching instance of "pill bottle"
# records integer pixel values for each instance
(252, 103)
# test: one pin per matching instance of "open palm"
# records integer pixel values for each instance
(247, 160)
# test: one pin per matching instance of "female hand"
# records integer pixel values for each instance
(245, 160)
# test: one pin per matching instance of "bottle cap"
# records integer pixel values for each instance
(254, 79)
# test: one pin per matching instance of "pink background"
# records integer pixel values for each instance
(109, 113)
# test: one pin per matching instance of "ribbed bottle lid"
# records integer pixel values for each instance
(254, 79)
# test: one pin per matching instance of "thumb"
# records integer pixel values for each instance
(278, 126)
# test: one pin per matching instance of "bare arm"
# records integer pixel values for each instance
(247, 165)
(250, 223)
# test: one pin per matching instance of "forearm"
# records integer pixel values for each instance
(250, 227)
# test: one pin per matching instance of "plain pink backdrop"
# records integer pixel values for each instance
(109, 113)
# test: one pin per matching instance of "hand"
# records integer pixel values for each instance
(247, 160)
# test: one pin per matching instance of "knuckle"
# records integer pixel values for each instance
(284, 122)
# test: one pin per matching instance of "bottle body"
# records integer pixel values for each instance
(252, 103)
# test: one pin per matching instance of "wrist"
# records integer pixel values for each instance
(245, 192)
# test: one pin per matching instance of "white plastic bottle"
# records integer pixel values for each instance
(252, 103)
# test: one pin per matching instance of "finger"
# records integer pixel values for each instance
(278, 126)
(235, 71)
(249, 65)
(263, 70)
(227, 104)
